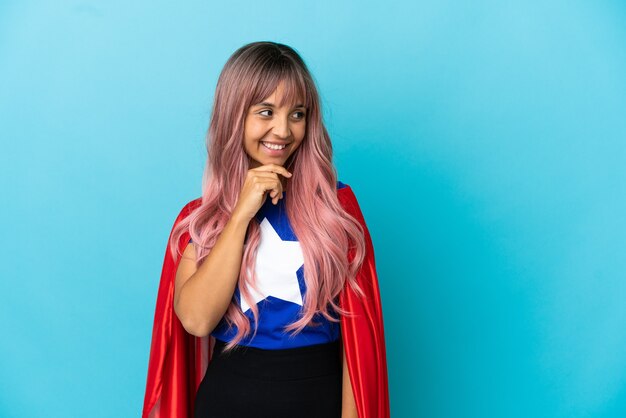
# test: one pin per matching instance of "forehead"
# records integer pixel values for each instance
(285, 92)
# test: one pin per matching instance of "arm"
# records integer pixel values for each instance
(202, 295)
(348, 405)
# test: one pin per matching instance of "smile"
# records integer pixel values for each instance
(273, 146)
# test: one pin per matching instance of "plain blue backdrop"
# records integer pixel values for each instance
(485, 142)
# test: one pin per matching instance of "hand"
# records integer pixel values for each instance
(259, 181)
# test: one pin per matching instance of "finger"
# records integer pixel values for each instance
(266, 175)
(272, 192)
(274, 168)
(276, 192)
(273, 187)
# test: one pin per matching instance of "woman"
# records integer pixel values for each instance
(269, 280)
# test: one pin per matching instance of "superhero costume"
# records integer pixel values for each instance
(178, 359)
(279, 269)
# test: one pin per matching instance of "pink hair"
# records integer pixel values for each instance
(324, 229)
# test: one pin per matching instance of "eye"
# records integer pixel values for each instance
(266, 110)
(302, 113)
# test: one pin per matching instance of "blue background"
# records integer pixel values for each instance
(484, 140)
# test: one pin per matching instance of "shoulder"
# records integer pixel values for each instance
(343, 190)
(347, 198)
(188, 208)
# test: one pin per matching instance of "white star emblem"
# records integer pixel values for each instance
(277, 262)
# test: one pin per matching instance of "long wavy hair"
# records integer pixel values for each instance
(324, 229)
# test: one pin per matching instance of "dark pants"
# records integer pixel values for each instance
(303, 382)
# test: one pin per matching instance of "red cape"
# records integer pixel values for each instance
(178, 360)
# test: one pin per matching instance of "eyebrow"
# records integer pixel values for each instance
(272, 104)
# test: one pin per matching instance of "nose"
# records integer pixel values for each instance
(281, 128)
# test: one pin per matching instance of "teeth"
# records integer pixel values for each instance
(273, 146)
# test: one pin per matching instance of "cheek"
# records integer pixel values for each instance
(253, 131)
(300, 131)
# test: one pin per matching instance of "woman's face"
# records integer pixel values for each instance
(266, 123)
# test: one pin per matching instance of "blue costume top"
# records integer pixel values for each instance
(280, 279)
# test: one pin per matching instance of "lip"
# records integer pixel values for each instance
(274, 152)
(277, 143)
